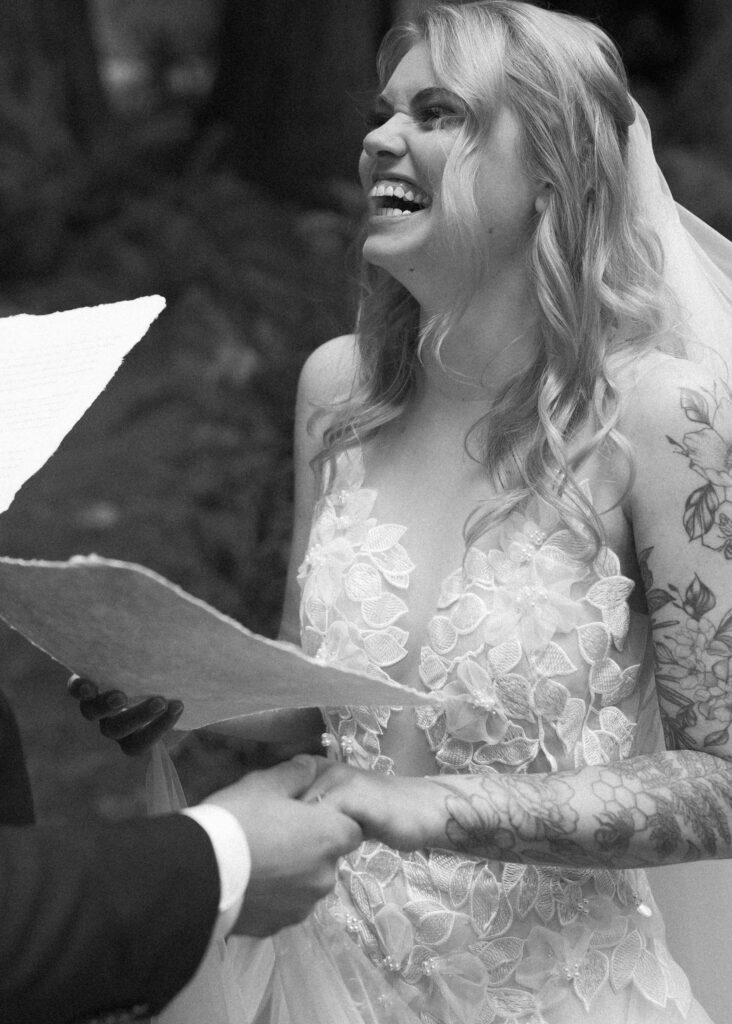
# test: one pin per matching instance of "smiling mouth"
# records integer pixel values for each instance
(389, 199)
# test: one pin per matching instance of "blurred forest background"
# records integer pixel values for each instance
(206, 150)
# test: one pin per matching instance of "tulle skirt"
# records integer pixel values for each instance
(307, 975)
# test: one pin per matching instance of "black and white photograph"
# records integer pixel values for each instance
(365, 511)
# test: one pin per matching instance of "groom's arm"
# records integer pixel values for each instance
(95, 919)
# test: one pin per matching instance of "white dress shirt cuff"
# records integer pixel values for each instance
(233, 858)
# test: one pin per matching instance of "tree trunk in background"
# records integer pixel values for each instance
(47, 46)
(53, 119)
(86, 107)
(293, 81)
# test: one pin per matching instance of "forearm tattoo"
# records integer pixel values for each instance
(655, 809)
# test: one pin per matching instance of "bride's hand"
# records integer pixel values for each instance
(134, 727)
(404, 813)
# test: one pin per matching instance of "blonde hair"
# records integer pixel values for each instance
(595, 267)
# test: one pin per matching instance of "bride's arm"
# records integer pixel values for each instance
(649, 810)
(646, 810)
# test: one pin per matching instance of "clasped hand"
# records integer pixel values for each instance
(303, 815)
(405, 813)
(299, 817)
(294, 847)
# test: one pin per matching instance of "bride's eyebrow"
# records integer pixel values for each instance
(431, 94)
(436, 94)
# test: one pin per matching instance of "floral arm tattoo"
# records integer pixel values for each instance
(708, 511)
(693, 663)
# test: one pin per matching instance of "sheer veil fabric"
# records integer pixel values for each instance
(697, 259)
(312, 974)
(698, 271)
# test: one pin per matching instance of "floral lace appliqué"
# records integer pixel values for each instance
(524, 703)
(349, 609)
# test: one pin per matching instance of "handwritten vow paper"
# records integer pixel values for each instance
(52, 369)
(126, 627)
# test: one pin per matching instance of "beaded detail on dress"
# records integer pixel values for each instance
(531, 647)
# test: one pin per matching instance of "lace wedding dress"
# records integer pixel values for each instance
(545, 669)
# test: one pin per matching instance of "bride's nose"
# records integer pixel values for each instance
(386, 139)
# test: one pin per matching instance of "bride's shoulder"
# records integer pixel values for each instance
(654, 391)
(330, 371)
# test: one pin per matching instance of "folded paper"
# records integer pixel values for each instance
(126, 627)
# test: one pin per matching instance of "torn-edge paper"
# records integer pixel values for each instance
(128, 628)
(52, 367)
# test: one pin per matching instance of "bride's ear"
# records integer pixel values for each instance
(542, 200)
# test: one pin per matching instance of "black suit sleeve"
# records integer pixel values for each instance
(96, 918)
(16, 801)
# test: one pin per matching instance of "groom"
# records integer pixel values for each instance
(108, 922)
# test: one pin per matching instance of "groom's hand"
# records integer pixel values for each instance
(294, 846)
(134, 727)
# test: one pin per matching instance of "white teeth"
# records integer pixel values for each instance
(383, 189)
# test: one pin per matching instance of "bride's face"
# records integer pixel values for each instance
(402, 167)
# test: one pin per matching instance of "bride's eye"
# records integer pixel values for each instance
(438, 115)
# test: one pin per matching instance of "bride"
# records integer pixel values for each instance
(514, 489)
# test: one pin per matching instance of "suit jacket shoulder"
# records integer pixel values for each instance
(97, 918)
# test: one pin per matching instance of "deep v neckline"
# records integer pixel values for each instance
(355, 470)
(487, 582)
(525, 546)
